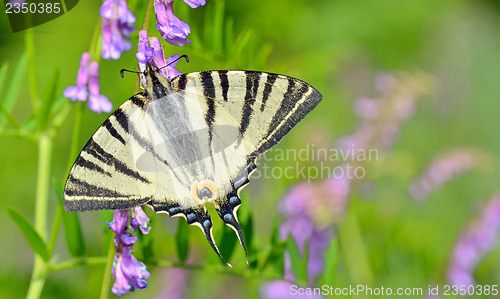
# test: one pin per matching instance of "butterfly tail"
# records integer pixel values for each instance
(199, 216)
(226, 208)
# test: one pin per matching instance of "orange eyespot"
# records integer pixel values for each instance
(204, 190)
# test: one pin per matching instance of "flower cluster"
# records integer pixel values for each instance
(444, 168)
(128, 272)
(88, 76)
(381, 117)
(308, 210)
(117, 20)
(172, 29)
(150, 50)
(474, 243)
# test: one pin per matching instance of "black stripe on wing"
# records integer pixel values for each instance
(252, 84)
(99, 153)
(271, 78)
(290, 112)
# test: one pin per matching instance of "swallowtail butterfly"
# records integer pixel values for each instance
(185, 142)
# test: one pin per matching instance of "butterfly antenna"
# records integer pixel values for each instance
(124, 70)
(172, 62)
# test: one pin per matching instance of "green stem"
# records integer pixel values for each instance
(81, 261)
(107, 270)
(147, 18)
(40, 268)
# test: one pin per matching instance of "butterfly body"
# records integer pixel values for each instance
(183, 143)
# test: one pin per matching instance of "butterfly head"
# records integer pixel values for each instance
(156, 85)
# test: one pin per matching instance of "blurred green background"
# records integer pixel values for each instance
(339, 47)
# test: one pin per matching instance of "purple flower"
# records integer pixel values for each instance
(308, 211)
(144, 51)
(97, 102)
(79, 92)
(117, 19)
(141, 220)
(150, 50)
(444, 168)
(172, 30)
(475, 242)
(195, 3)
(128, 272)
(382, 117)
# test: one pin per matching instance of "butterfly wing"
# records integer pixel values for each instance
(187, 142)
(248, 113)
(104, 175)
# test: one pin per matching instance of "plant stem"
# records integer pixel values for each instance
(40, 268)
(107, 270)
(81, 261)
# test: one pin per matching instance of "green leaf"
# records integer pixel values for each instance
(227, 242)
(72, 228)
(182, 240)
(17, 79)
(31, 235)
(295, 258)
(331, 262)
(29, 125)
(217, 27)
(47, 100)
(248, 235)
(3, 74)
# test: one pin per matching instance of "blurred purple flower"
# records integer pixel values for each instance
(178, 283)
(382, 117)
(309, 212)
(172, 30)
(474, 243)
(195, 3)
(88, 74)
(128, 272)
(444, 168)
(79, 92)
(280, 289)
(97, 102)
(150, 50)
(117, 19)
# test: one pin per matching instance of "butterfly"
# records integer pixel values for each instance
(183, 143)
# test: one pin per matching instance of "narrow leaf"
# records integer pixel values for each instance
(29, 124)
(249, 240)
(295, 258)
(30, 234)
(72, 228)
(47, 100)
(331, 262)
(3, 74)
(17, 79)
(227, 243)
(182, 240)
